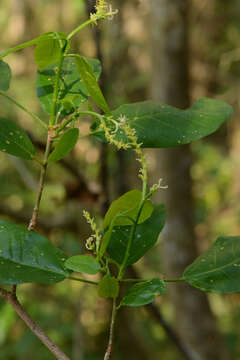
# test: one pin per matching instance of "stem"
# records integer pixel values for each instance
(134, 280)
(111, 333)
(18, 47)
(80, 27)
(144, 280)
(11, 298)
(87, 112)
(83, 280)
(92, 20)
(74, 117)
(144, 185)
(174, 280)
(88, 22)
(64, 125)
(131, 237)
(33, 221)
(56, 89)
(35, 117)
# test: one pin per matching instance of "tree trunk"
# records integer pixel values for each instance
(170, 83)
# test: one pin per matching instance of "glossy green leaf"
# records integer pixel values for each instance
(83, 263)
(65, 144)
(26, 256)
(14, 141)
(143, 293)
(47, 52)
(218, 268)
(145, 237)
(126, 206)
(89, 80)
(71, 87)
(161, 125)
(108, 287)
(5, 76)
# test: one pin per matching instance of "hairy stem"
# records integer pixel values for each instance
(33, 221)
(11, 298)
(111, 333)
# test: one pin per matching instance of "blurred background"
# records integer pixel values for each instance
(174, 51)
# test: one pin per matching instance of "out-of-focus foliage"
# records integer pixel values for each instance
(76, 322)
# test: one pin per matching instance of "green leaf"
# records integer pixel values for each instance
(145, 237)
(108, 287)
(26, 256)
(71, 86)
(14, 141)
(89, 79)
(127, 205)
(161, 125)
(83, 263)
(143, 293)
(47, 52)
(218, 268)
(5, 76)
(52, 35)
(65, 144)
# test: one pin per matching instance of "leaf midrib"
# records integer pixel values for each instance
(211, 271)
(31, 266)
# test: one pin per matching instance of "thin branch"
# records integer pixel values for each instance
(33, 221)
(111, 333)
(81, 191)
(66, 219)
(83, 280)
(135, 280)
(174, 280)
(11, 298)
(35, 117)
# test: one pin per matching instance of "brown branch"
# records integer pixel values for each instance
(33, 221)
(11, 298)
(63, 219)
(111, 333)
(81, 190)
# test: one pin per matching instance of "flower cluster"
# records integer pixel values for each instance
(131, 134)
(123, 136)
(114, 131)
(93, 242)
(103, 10)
